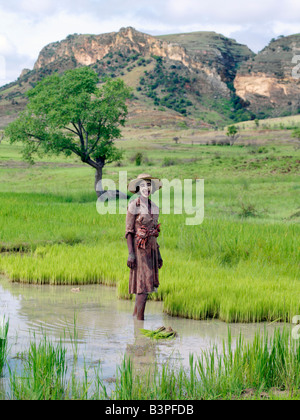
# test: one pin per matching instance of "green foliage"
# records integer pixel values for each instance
(240, 246)
(296, 133)
(70, 114)
(232, 133)
(161, 333)
(4, 325)
(138, 158)
(166, 88)
(264, 368)
(232, 109)
(169, 161)
(44, 373)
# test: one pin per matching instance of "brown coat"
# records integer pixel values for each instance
(144, 277)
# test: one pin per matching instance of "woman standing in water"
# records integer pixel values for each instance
(142, 230)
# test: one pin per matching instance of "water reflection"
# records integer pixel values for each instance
(142, 351)
(105, 328)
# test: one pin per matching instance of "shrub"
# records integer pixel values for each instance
(138, 158)
(169, 162)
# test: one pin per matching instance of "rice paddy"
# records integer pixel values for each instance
(266, 368)
(241, 265)
(235, 271)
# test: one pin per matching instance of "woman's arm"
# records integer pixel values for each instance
(129, 234)
(160, 260)
(131, 262)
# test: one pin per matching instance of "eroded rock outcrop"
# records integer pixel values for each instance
(215, 62)
(270, 81)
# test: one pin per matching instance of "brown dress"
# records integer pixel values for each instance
(144, 277)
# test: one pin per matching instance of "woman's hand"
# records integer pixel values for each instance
(131, 262)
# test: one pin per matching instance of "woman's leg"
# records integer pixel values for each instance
(141, 299)
(135, 307)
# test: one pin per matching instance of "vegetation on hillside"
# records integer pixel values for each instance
(170, 86)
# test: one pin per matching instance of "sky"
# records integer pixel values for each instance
(26, 26)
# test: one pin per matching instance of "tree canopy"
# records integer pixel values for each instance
(68, 114)
(233, 134)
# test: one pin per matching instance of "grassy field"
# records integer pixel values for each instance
(241, 264)
(279, 123)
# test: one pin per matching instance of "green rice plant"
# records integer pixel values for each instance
(235, 271)
(161, 333)
(262, 365)
(44, 376)
(73, 338)
(4, 326)
(238, 269)
(265, 365)
(125, 381)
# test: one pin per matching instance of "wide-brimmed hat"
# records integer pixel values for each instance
(156, 183)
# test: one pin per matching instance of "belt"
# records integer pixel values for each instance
(143, 234)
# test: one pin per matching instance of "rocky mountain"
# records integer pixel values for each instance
(270, 81)
(200, 78)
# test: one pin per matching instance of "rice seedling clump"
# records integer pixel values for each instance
(161, 333)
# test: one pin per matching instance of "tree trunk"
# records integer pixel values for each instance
(110, 194)
(98, 181)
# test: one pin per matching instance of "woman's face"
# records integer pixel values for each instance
(145, 188)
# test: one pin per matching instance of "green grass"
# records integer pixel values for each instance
(279, 123)
(235, 270)
(269, 367)
(240, 264)
(4, 326)
(44, 373)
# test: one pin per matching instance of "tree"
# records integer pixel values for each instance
(233, 134)
(69, 114)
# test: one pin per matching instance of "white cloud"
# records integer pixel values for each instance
(26, 26)
(283, 28)
(35, 7)
(233, 11)
(6, 47)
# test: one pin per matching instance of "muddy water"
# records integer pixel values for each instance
(105, 328)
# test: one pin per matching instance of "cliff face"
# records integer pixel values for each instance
(217, 65)
(87, 49)
(202, 76)
(213, 50)
(270, 82)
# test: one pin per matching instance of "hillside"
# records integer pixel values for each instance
(266, 81)
(200, 78)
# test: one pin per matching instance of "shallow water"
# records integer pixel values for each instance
(105, 328)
